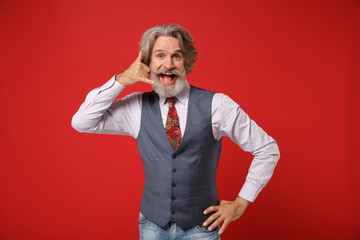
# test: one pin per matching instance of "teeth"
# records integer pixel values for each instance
(170, 75)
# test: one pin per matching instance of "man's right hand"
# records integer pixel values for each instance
(137, 72)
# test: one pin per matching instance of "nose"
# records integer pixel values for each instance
(169, 63)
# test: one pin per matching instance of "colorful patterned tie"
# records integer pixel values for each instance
(172, 126)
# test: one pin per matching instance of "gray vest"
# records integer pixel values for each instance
(179, 184)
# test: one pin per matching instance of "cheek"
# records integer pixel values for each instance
(154, 66)
(180, 66)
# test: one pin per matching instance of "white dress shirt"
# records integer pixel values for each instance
(101, 114)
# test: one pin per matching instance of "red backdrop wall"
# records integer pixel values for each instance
(293, 66)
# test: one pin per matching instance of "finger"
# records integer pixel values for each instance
(146, 68)
(138, 59)
(216, 223)
(211, 218)
(211, 209)
(140, 72)
(146, 80)
(223, 227)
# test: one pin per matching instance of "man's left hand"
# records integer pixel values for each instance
(226, 212)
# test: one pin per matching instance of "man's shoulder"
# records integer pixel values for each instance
(149, 97)
(148, 94)
(194, 89)
(134, 98)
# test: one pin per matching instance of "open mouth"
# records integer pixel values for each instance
(167, 78)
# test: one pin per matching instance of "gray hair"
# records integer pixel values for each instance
(173, 30)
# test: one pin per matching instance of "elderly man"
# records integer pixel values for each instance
(179, 130)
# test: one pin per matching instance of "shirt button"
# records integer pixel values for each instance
(173, 170)
(173, 184)
(173, 198)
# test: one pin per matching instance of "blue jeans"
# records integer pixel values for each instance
(150, 231)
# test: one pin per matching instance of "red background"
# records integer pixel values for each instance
(293, 66)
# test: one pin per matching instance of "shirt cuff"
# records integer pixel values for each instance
(249, 191)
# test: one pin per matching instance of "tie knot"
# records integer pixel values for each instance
(171, 100)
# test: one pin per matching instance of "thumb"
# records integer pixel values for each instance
(138, 59)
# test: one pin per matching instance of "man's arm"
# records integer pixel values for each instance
(231, 121)
(100, 114)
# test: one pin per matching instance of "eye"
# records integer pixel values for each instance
(160, 55)
(177, 56)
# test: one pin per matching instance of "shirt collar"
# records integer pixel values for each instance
(181, 97)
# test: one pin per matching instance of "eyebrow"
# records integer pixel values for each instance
(176, 51)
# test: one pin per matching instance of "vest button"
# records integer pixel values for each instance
(172, 211)
(173, 198)
(173, 184)
(174, 156)
(173, 170)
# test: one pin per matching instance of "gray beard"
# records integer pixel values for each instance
(166, 91)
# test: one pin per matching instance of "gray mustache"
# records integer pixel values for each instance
(172, 71)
